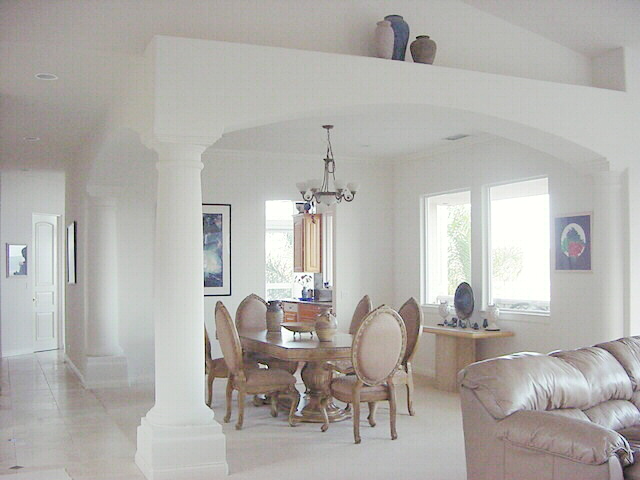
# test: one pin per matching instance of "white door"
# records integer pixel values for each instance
(45, 281)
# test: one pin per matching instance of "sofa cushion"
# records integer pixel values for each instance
(526, 381)
(627, 353)
(632, 472)
(606, 377)
(614, 414)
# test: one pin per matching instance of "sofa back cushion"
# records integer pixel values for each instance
(526, 381)
(606, 378)
(627, 352)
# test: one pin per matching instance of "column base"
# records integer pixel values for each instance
(104, 372)
(189, 452)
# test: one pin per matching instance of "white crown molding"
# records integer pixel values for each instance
(252, 154)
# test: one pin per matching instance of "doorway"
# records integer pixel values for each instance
(46, 282)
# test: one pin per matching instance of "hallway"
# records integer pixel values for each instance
(49, 421)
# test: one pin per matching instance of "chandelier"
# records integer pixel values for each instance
(330, 191)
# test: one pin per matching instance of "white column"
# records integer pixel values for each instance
(608, 252)
(106, 365)
(179, 438)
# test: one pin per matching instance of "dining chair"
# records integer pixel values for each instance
(362, 310)
(216, 367)
(251, 315)
(271, 381)
(377, 352)
(413, 319)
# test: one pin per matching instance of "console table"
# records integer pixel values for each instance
(455, 349)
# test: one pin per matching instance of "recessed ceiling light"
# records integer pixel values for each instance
(31, 139)
(46, 76)
(459, 136)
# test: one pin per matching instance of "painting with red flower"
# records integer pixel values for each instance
(573, 242)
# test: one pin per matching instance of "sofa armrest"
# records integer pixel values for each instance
(578, 440)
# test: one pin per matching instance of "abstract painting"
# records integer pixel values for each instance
(216, 244)
(71, 253)
(573, 242)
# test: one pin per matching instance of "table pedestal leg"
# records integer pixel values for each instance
(316, 379)
(452, 355)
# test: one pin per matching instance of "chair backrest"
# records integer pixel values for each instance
(378, 345)
(252, 313)
(362, 310)
(413, 318)
(229, 339)
(207, 345)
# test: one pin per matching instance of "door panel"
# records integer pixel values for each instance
(45, 283)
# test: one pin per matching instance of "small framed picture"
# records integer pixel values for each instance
(71, 253)
(16, 260)
(216, 244)
(572, 242)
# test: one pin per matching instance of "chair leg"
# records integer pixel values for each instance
(392, 409)
(373, 406)
(274, 405)
(347, 408)
(227, 416)
(325, 417)
(241, 396)
(295, 400)
(410, 395)
(356, 421)
(210, 379)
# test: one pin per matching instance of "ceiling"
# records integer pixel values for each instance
(586, 26)
(91, 45)
(370, 133)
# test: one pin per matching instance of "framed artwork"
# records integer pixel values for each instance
(16, 260)
(71, 253)
(216, 244)
(572, 242)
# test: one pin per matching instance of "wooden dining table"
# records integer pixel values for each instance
(315, 374)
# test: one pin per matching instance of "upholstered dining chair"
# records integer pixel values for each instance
(216, 367)
(377, 352)
(413, 319)
(362, 310)
(272, 381)
(251, 314)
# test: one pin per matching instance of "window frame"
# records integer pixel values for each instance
(509, 314)
(424, 242)
(481, 256)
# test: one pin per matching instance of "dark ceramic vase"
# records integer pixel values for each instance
(423, 49)
(400, 34)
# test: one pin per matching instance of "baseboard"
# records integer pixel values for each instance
(76, 371)
(15, 353)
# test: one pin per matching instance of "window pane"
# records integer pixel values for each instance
(520, 246)
(448, 244)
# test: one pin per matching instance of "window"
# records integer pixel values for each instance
(280, 279)
(519, 246)
(448, 244)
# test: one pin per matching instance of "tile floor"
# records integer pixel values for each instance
(49, 421)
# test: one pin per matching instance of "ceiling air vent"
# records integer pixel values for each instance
(459, 136)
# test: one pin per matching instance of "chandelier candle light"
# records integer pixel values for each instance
(330, 191)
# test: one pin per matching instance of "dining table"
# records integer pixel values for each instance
(316, 372)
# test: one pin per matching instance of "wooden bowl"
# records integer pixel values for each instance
(299, 327)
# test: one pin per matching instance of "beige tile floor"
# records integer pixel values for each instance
(49, 421)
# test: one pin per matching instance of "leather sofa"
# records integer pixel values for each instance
(568, 415)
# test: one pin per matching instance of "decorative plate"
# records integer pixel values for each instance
(299, 327)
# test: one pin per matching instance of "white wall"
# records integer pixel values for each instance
(467, 37)
(576, 319)
(363, 228)
(22, 194)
